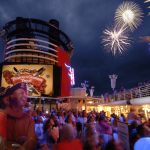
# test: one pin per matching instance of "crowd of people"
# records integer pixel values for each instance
(23, 128)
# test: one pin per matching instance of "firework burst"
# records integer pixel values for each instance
(116, 40)
(148, 1)
(129, 14)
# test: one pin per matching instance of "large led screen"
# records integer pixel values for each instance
(39, 78)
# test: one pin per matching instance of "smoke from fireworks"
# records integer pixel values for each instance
(116, 40)
(128, 14)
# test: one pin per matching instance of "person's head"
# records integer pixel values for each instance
(134, 125)
(91, 119)
(18, 95)
(68, 132)
(84, 114)
(69, 118)
(48, 124)
(101, 117)
(62, 114)
(122, 115)
(92, 140)
(90, 130)
(51, 122)
(39, 120)
(115, 122)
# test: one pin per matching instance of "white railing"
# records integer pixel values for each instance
(126, 94)
(137, 92)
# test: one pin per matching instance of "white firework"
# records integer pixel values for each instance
(129, 14)
(148, 1)
(116, 40)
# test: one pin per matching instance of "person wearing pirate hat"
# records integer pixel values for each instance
(6, 92)
(20, 126)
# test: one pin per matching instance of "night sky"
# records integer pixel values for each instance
(84, 21)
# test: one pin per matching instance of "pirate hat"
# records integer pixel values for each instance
(12, 89)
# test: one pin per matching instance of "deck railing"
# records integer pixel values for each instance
(137, 92)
